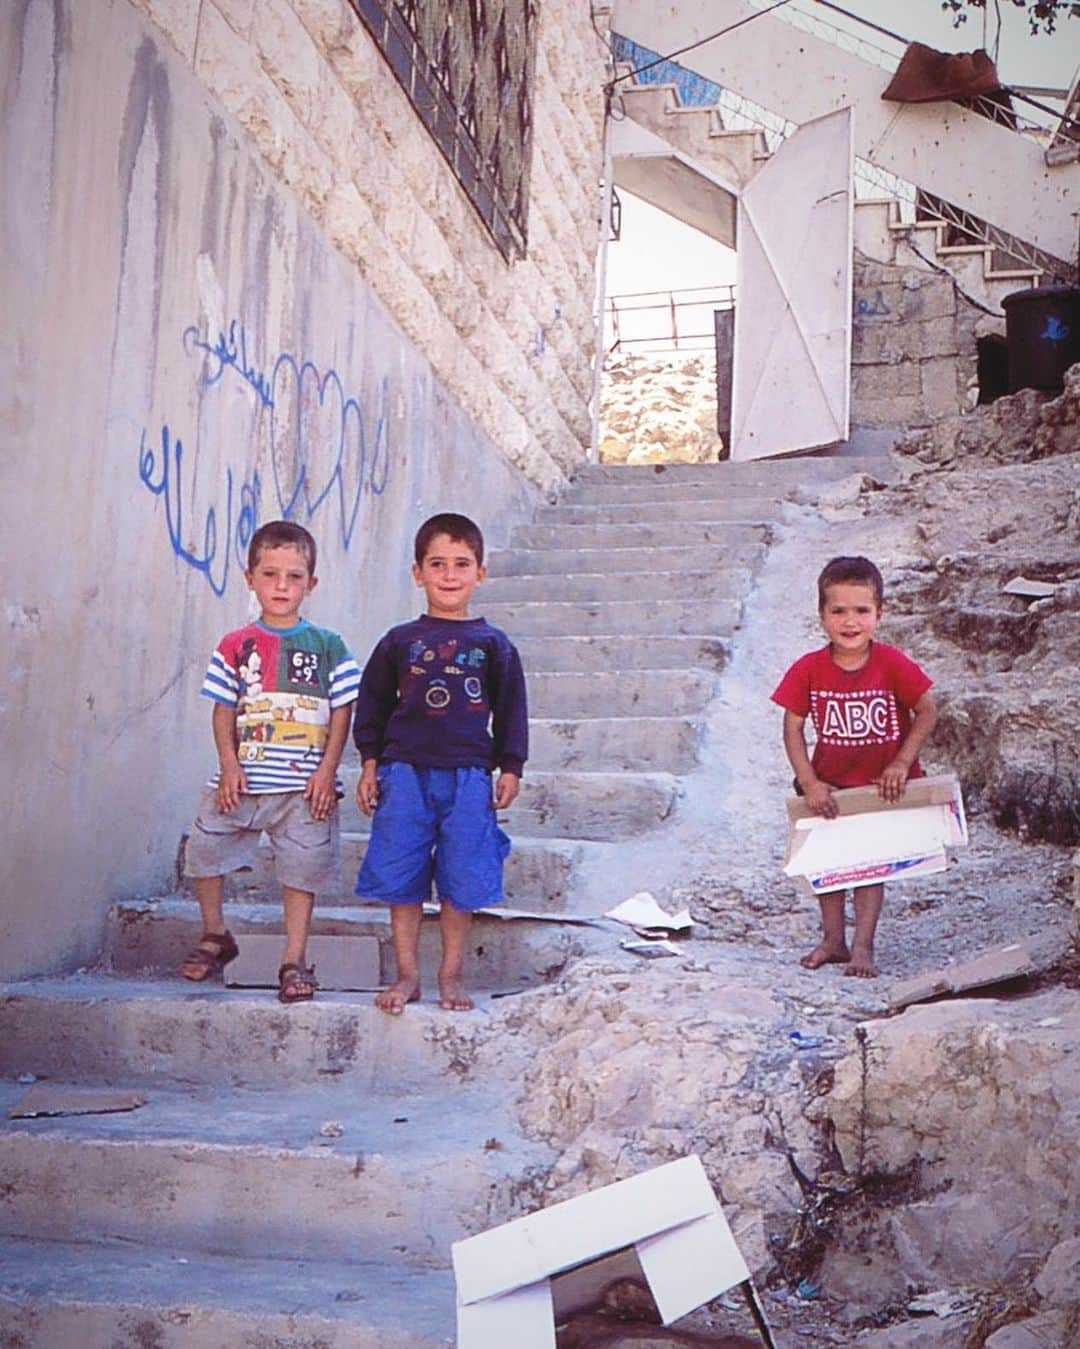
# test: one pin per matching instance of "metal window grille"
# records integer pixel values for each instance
(467, 68)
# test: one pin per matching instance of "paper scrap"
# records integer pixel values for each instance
(51, 1098)
(642, 911)
(652, 947)
(1030, 590)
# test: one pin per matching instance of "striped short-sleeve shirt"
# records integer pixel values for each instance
(284, 683)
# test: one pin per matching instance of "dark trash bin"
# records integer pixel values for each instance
(1042, 332)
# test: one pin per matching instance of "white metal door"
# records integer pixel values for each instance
(791, 380)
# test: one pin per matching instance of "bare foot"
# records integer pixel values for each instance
(452, 995)
(861, 964)
(394, 999)
(825, 954)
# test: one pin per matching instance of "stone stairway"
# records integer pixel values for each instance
(880, 229)
(297, 1175)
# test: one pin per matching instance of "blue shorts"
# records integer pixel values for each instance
(434, 824)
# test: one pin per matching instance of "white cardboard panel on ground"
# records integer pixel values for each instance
(684, 1266)
(872, 840)
(524, 1318)
(669, 1214)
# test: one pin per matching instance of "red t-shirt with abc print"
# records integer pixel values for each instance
(860, 717)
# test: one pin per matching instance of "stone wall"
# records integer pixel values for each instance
(230, 297)
(913, 345)
(513, 343)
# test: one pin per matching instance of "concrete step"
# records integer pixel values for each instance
(635, 533)
(557, 805)
(745, 549)
(99, 1029)
(629, 693)
(633, 744)
(539, 873)
(605, 654)
(711, 618)
(648, 584)
(98, 1295)
(599, 806)
(232, 1171)
(747, 510)
(148, 938)
(773, 474)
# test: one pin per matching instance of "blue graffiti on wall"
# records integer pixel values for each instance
(308, 413)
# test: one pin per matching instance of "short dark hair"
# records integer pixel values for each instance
(850, 571)
(459, 528)
(282, 534)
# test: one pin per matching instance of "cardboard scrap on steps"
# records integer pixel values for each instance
(54, 1098)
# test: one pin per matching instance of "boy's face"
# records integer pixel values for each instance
(849, 616)
(448, 574)
(281, 582)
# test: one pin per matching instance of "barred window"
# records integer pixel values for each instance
(467, 68)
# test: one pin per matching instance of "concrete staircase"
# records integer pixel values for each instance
(297, 1175)
(882, 229)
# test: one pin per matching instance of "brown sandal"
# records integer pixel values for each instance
(204, 962)
(292, 978)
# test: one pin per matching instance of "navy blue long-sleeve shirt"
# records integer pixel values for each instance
(444, 693)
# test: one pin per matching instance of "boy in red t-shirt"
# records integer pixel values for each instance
(872, 709)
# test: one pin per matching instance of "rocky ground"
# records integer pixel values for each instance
(659, 409)
(894, 1178)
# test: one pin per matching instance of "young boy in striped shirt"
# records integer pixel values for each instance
(283, 692)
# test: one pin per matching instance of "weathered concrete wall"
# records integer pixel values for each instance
(912, 345)
(188, 354)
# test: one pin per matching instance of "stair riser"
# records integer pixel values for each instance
(587, 654)
(250, 1202)
(745, 510)
(660, 533)
(710, 618)
(213, 1035)
(743, 550)
(533, 877)
(720, 487)
(647, 585)
(501, 955)
(612, 808)
(661, 744)
(564, 801)
(630, 693)
(795, 469)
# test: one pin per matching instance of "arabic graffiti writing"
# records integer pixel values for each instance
(875, 308)
(323, 445)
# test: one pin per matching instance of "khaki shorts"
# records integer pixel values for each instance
(307, 852)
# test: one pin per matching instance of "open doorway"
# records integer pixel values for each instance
(666, 284)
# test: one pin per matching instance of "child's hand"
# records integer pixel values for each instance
(819, 799)
(893, 780)
(321, 792)
(231, 784)
(367, 789)
(506, 790)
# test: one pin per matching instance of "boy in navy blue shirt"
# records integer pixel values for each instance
(441, 706)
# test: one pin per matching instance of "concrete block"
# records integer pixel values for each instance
(940, 387)
(345, 963)
(288, 55)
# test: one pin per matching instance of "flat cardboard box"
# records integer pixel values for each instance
(872, 840)
(665, 1222)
